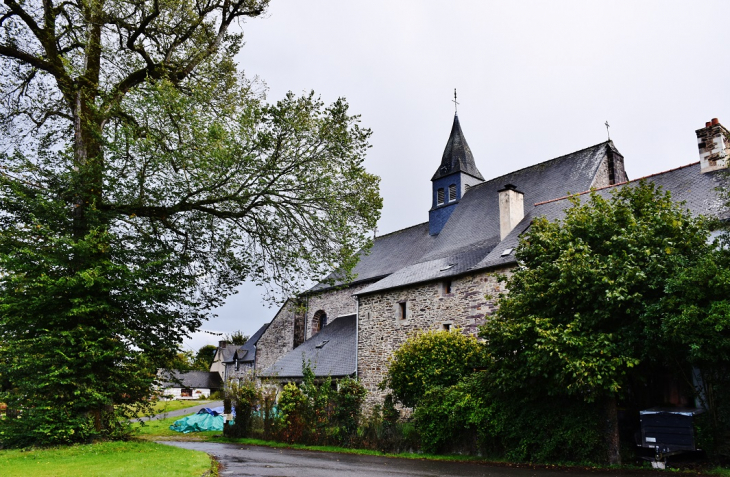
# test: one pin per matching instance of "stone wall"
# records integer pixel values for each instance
(278, 339)
(335, 302)
(382, 328)
(244, 371)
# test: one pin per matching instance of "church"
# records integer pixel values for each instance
(443, 274)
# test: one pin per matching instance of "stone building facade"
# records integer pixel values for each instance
(460, 304)
(444, 274)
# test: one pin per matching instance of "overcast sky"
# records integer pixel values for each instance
(535, 80)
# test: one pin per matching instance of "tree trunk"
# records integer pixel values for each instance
(613, 444)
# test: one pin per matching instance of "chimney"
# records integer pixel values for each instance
(511, 209)
(712, 141)
(222, 344)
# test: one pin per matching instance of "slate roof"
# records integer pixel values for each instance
(226, 354)
(472, 231)
(389, 253)
(246, 353)
(686, 184)
(457, 155)
(331, 352)
(191, 379)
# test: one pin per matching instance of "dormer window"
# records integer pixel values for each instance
(452, 192)
(440, 196)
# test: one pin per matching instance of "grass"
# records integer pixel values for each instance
(112, 459)
(174, 405)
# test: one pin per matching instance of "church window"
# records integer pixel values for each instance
(452, 192)
(319, 321)
(440, 196)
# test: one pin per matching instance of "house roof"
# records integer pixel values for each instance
(457, 155)
(331, 352)
(247, 352)
(191, 379)
(687, 185)
(226, 354)
(472, 231)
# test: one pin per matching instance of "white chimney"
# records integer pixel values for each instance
(511, 209)
(712, 141)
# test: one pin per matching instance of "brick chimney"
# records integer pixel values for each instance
(511, 209)
(712, 141)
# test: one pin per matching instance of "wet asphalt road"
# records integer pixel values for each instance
(243, 460)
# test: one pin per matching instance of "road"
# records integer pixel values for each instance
(244, 460)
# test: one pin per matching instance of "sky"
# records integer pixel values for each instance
(535, 80)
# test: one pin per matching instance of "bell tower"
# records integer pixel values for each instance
(456, 174)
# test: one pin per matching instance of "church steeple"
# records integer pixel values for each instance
(456, 174)
(457, 155)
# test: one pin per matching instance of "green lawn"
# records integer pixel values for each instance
(168, 406)
(109, 459)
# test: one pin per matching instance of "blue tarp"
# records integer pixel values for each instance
(202, 421)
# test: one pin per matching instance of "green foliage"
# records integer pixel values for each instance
(204, 358)
(318, 412)
(244, 396)
(143, 183)
(470, 417)
(236, 338)
(578, 316)
(430, 359)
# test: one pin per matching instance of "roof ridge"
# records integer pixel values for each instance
(401, 230)
(544, 162)
(617, 184)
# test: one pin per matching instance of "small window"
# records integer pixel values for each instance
(446, 287)
(236, 364)
(446, 326)
(452, 192)
(402, 311)
(467, 187)
(319, 321)
(186, 392)
(440, 196)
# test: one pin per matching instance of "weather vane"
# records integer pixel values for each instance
(455, 103)
(607, 131)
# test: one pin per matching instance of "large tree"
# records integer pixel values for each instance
(581, 316)
(142, 179)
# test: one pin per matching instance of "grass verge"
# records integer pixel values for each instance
(112, 459)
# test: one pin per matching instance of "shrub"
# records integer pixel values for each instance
(431, 359)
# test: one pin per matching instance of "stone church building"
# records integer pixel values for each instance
(442, 274)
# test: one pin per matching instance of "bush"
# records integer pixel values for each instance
(244, 398)
(431, 359)
(471, 417)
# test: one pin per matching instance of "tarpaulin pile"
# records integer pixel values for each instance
(206, 419)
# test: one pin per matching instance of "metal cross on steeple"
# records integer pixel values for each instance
(455, 103)
(607, 131)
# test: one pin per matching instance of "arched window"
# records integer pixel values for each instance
(319, 321)
(452, 192)
(440, 196)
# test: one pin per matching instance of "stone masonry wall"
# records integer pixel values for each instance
(333, 302)
(278, 339)
(382, 330)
